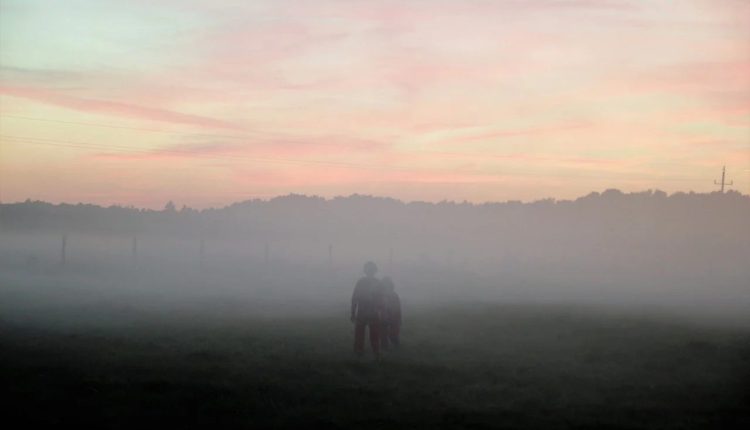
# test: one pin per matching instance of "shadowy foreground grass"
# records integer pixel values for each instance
(471, 367)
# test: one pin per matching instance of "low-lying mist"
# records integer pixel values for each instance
(295, 256)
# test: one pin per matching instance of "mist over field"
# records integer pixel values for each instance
(296, 255)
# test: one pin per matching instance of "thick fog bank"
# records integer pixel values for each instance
(296, 255)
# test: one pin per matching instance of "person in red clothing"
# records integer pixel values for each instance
(390, 326)
(366, 311)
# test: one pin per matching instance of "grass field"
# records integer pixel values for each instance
(463, 367)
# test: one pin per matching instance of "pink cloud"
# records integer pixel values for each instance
(699, 76)
(723, 84)
(717, 91)
(476, 159)
(527, 131)
(115, 108)
(274, 148)
(308, 176)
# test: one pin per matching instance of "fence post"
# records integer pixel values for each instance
(202, 251)
(390, 260)
(63, 250)
(134, 250)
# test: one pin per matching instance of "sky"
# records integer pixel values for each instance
(210, 102)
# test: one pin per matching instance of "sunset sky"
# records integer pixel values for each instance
(210, 102)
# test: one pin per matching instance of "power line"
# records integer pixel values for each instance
(239, 137)
(246, 136)
(27, 118)
(242, 137)
(265, 135)
(119, 149)
(189, 153)
(126, 150)
(125, 127)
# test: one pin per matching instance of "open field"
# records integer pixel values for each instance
(482, 366)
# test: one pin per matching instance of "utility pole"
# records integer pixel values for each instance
(723, 182)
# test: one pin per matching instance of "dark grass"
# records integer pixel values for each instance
(471, 367)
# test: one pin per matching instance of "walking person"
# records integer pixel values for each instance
(390, 328)
(366, 310)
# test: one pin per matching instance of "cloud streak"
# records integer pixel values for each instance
(115, 108)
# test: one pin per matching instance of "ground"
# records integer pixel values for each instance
(479, 366)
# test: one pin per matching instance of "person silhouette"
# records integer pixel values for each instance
(366, 310)
(390, 326)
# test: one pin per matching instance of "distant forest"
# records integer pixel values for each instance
(690, 237)
(597, 215)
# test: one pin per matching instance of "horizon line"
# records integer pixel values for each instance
(650, 191)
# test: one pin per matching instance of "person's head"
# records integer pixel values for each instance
(370, 268)
(388, 286)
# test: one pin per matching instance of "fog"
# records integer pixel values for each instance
(292, 256)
